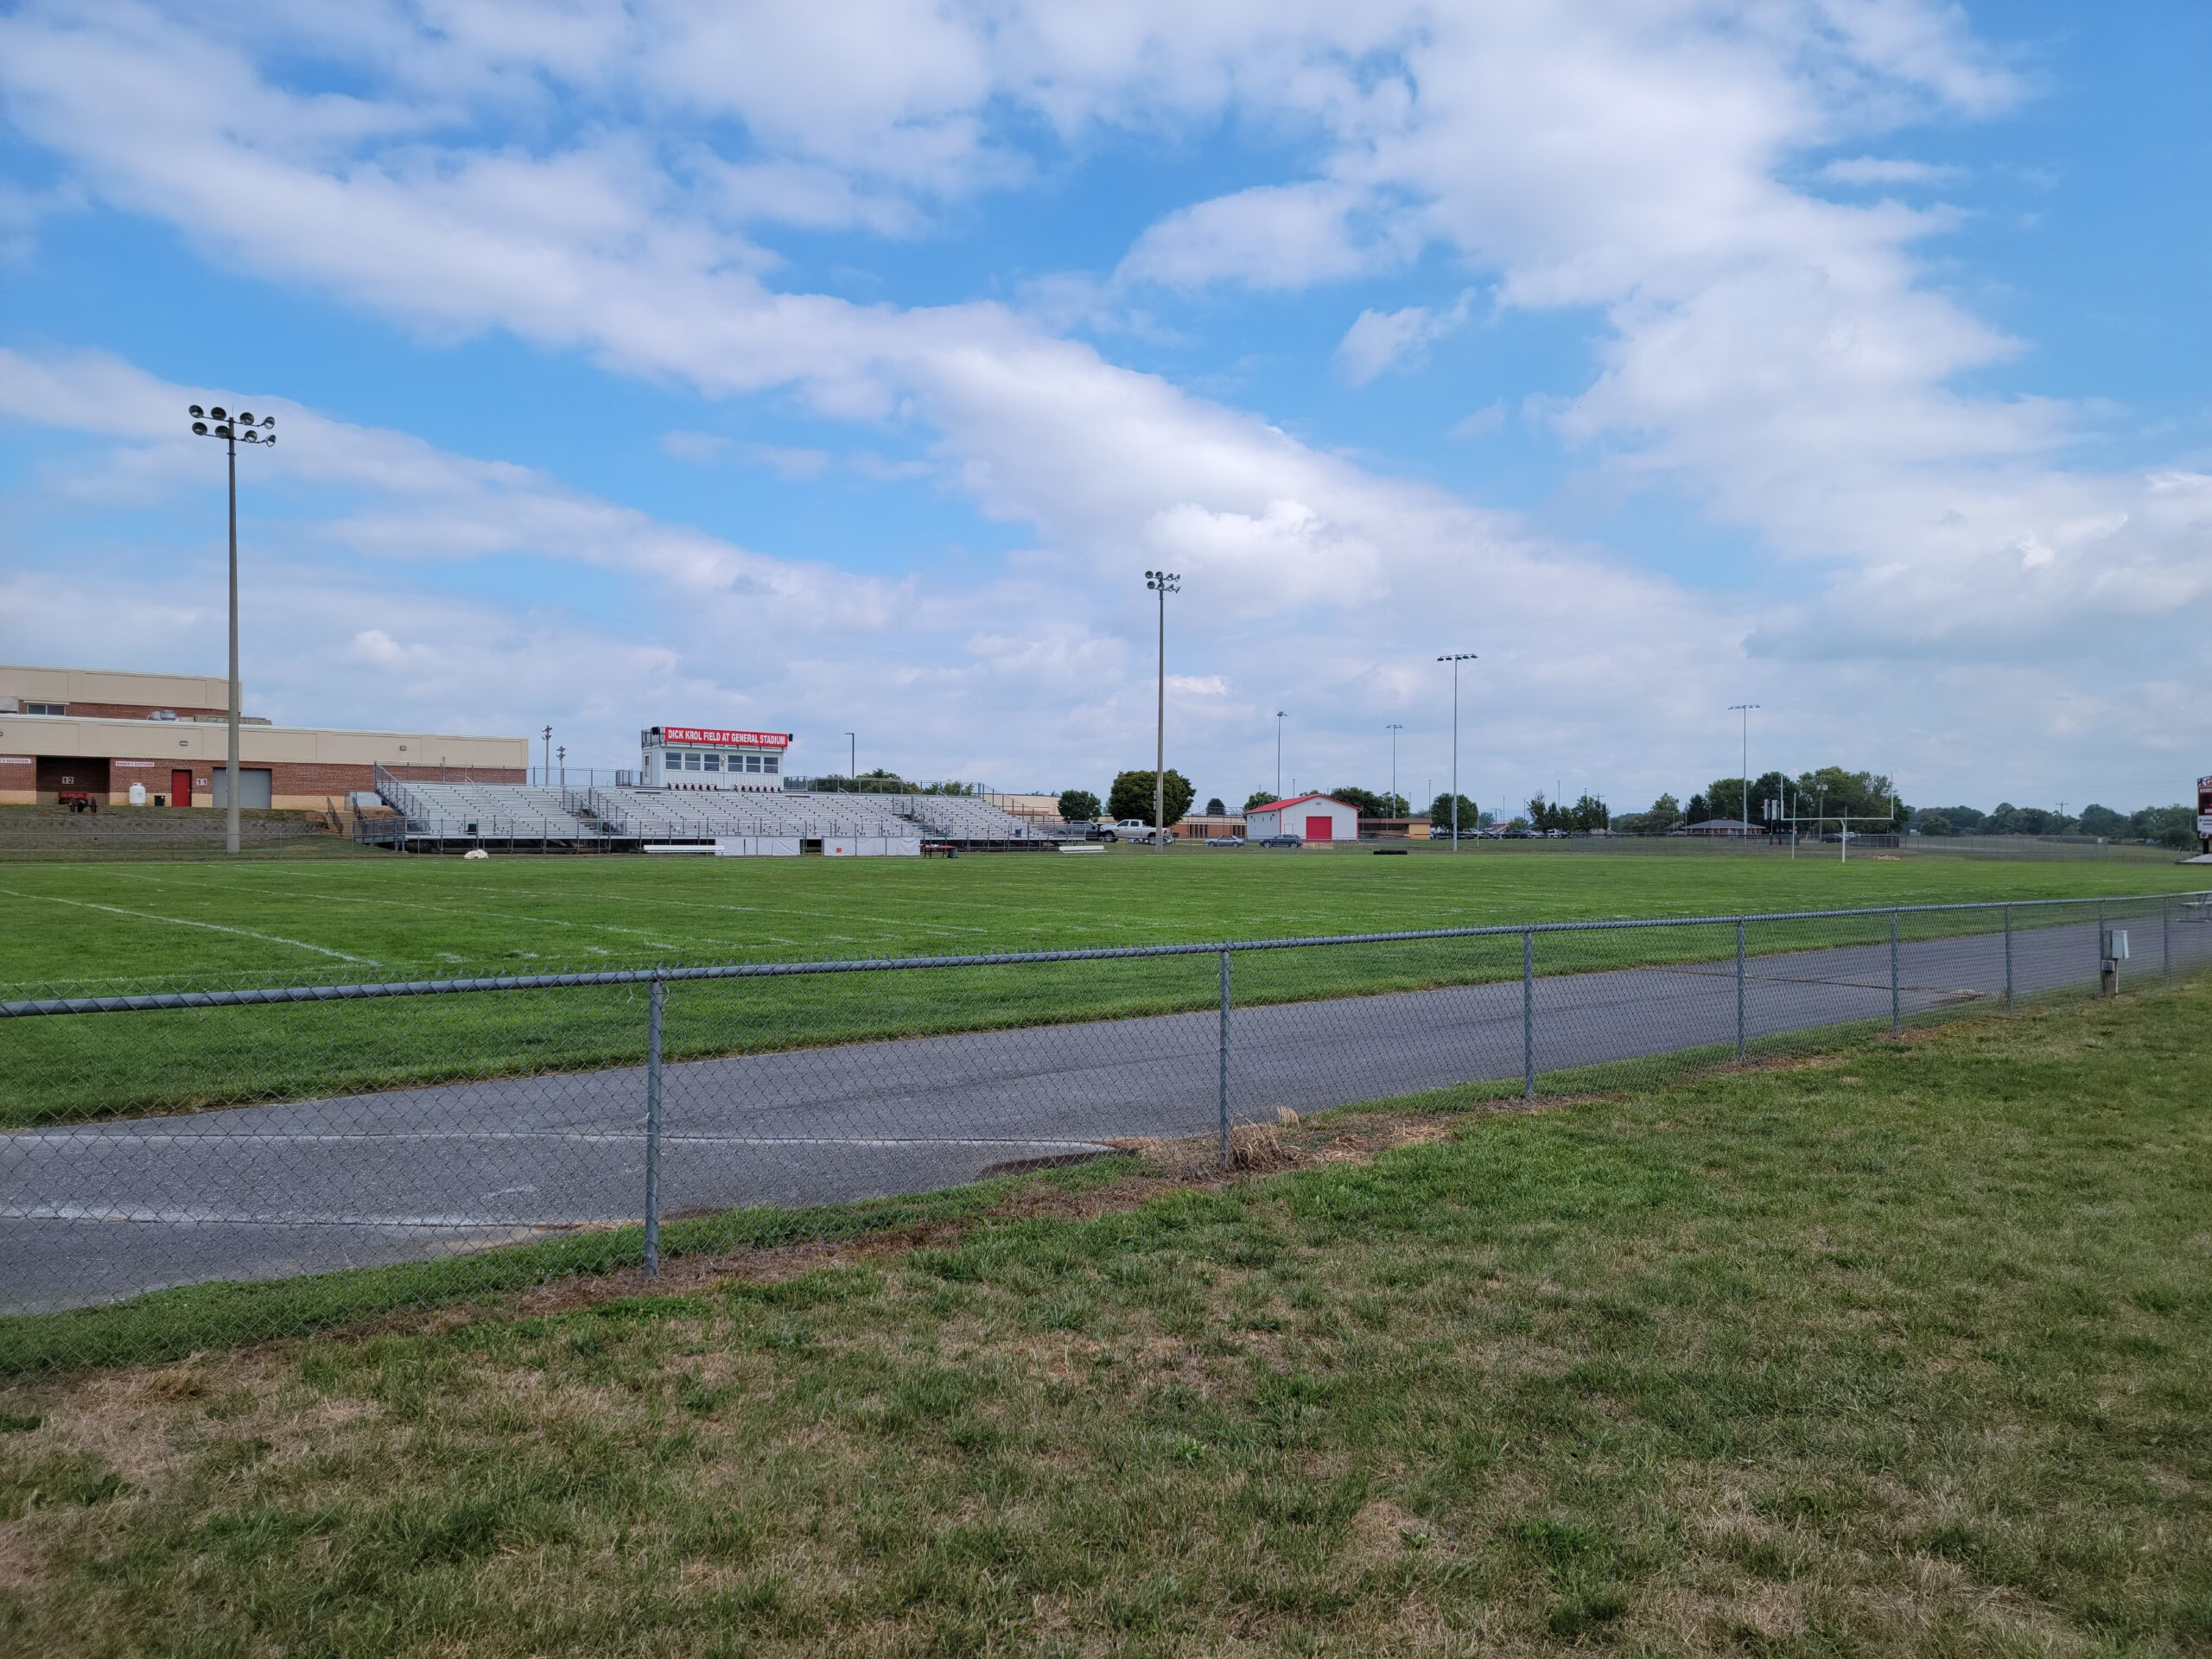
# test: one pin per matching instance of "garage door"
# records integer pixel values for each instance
(1320, 827)
(253, 785)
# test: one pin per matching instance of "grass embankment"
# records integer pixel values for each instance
(1904, 1349)
(109, 932)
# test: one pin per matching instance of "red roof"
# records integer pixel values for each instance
(1299, 800)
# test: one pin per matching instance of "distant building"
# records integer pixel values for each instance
(1199, 826)
(1311, 818)
(1720, 827)
(97, 732)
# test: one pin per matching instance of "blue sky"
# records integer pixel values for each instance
(760, 366)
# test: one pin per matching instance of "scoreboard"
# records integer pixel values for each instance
(2204, 812)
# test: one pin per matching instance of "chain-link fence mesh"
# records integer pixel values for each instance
(188, 1161)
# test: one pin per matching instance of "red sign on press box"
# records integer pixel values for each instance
(731, 739)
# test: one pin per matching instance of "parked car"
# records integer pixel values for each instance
(1126, 829)
(1224, 841)
(1280, 840)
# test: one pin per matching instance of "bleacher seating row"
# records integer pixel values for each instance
(464, 811)
(501, 812)
(696, 814)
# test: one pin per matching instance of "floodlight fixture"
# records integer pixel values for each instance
(213, 422)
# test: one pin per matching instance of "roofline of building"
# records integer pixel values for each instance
(260, 725)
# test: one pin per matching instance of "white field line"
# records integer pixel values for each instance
(507, 915)
(181, 921)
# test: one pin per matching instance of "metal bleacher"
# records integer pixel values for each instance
(703, 815)
(486, 812)
(612, 818)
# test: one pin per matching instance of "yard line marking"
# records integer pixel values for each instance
(507, 916)
(212, 927)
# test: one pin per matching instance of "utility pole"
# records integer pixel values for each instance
(1455, 658)
(1278, 720)
(1744, 709)
(1162, 583)
(1393, 729)
(263, 432)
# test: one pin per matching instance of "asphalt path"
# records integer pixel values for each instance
(97, 1212)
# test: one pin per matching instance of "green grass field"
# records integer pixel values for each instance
(405, 918)
(106, 929)
(1903, 1348)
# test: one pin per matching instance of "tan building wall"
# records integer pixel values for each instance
(307, 765)
(94, 691)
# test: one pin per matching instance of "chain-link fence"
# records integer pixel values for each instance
(265, 1158)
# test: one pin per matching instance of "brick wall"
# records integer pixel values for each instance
(18, 779)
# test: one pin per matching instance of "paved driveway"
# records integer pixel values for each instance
(99, 1211)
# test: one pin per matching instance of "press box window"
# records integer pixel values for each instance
(753, 763)
(714, 763)
(768, 763)
(691, 760)
(46, 709)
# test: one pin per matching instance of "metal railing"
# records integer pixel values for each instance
(174, 1132)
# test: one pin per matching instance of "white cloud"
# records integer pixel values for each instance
(1778, 357)
(1879, 169)
(1485, 421)
(1378, 341)
(1269, 235)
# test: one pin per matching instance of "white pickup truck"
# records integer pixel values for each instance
(1125, 829)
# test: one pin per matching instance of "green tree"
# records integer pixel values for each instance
(1964, 820)
(1439, 817)
(1587, 814)
(1131, 795)
(1078, 806)
(1661, 815)
(1214, 807)
(1368, 804)
(2165, 826)
(2103, 821)
(1932, 823)
(1258, 797)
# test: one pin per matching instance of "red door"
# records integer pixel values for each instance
(1320, 827)
(180, 786)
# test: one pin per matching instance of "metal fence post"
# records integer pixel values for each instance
(1224, 1084)
(2166, 939)
(656, 1001)
(1897, 1012)
(1529, 1013)
(2008, 956)
(1740, 988)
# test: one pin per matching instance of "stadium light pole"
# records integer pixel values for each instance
(852, 761)
(1162, 583)
(1279, 717)
(1455, 658)
(217, 422)
(548, 735)
(563, 753)
(1393, 729)
(1744, 709)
